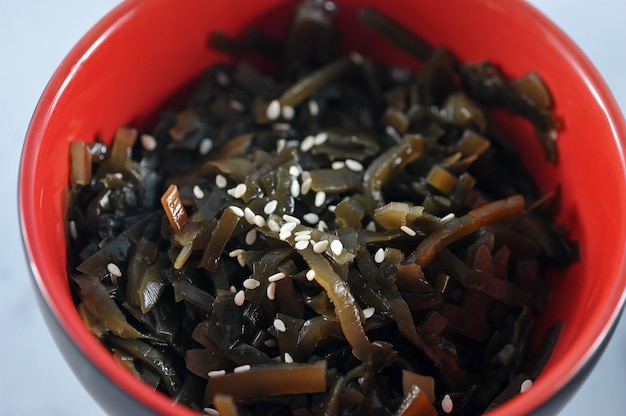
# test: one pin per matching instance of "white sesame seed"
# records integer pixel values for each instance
(118, 175)
(320, 138)
(236, 252)
(336, 247)
(251, 284)
(288, 112)
(338, 165)
(148, 142)
(241, 260)
(311, 218)
(240, 190)
(447, 218)
(197, 192)
(206, 145)
(279, 325)
(276, 277)
(292, 143)
(291, 219)
(210, 411)
(446, 404)
(233, 289)
(236, 105)
(379, 256)
(332, 208)
(273, 110)
(259, 221)
(408, 230)
(306, 186)
(526, 384)
(369, 312)
(270, 343)
(242, 368)
(371, 226)
(302, 237)
(251, 236)
(273, 226)
(294, 170)
(249, 215)
(73, 230)
(320, 246)
(222, 78)
(220, 181)
(320, 198)
(301, 244)
(271, 291)
(216, 373)
(288, 358)
(283, 235)
(310, 275)
(280, 145)
(322, 226)
(306, 175)
(304, 232)
(307, 144)
(240, 297)
(270, 207)
(354, 165)
(295, 188)
(238, 211)
(288, 227)
(114, 270)
(314, 108)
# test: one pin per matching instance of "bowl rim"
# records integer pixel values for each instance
(86, 343)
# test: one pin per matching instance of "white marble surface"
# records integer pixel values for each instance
(34, 37)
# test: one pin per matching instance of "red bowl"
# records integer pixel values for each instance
(143, 53)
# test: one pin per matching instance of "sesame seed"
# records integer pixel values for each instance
(307, 144)
(273, 226)
(222, 78)
(302, 237)
(249, 215)
(288, 112)
(206, 145)
(251, 284)
(379, 256)
(371, 226)
(73, 230)
(288, 227)
(118, 175)
(306, 186)
(304, 232)
(276, 277)
(320, 198)
(320, 138)
(216, 373)
(301, 244)
(283, 235)
(270, 343)
(291, 219)
(408, 230)
(273, 110)
(210, 411)
(233, 289)
(240, 297)
(294, 170)
(236, 252)
(241, 260)
(270, 207)
(114, 270)
(251, 236)
(354, 165)
(259, 221)
(148, 142)
(310, 275)
(292, 143)
(238, 211)
(447, 218)
(446, 404)
(306, 175)
(280, 145)
(311, 218)
(336, 247)
(197, 192)
(288, 358)
(526, 384)
(238, 191)
(320, 246)
(236, 105)
(279, 325)
(369, 312)
(314, 108)
(295, 188)
(338, 165)
(322, 226)
(220, 181)
(271, 291)
(332, 208)
(242, 368)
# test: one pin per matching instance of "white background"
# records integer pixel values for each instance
(35, 35)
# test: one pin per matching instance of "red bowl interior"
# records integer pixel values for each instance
(134, 61)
